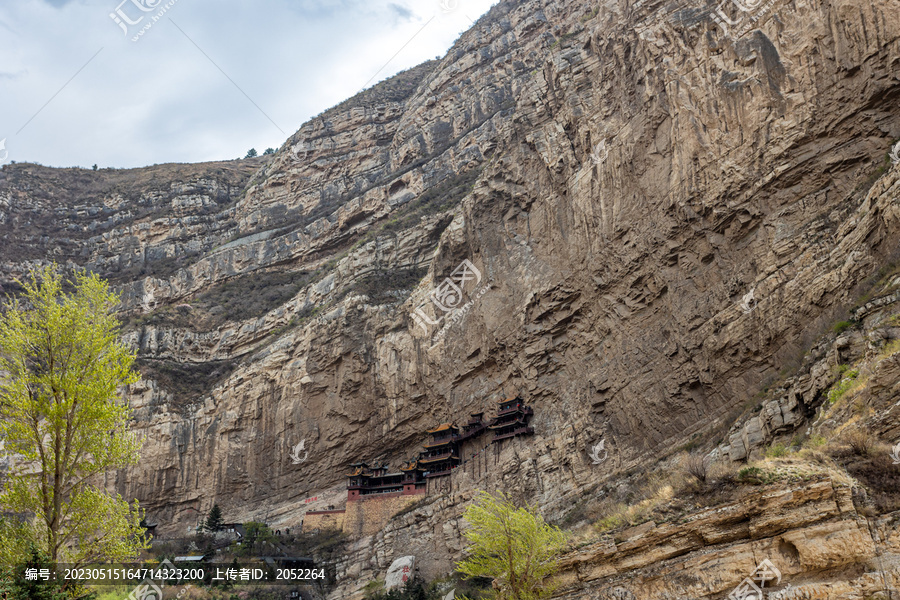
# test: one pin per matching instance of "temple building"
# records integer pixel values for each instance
(365, 481)
(473, 428)
(511, 420)
(413, 481)
(441, 454)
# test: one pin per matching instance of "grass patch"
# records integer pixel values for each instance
(619, 514)
(849, 382)
(614, 520)
(664, 494)
(860, 441)
(797, 442)
(373, 588)
(753, 476)
(303, 316)
(805, 465)
(841, 326)
(814, 441)
(694, 443)
(777, 451)
(564, 38)
(890, 349)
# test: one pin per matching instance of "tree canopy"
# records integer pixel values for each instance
(256, 534)
(513, 545)
(214, 521)
(63, 423)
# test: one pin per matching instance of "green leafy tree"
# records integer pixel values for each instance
(15, 541)
(251, 153)
(19, 587)
(513, 545)
(6, 582)
(214, 520)
(255, 534)
(269, 151)
(63, 421)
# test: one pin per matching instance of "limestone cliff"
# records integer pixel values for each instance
(663, 218)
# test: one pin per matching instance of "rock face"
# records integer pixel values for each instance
(124, 223)
(800, 529)
(664, 218)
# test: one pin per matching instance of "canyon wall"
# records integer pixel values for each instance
(662, 218)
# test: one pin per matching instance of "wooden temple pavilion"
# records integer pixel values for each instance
(366, 481)
(473, 428)
(413, 472)
(511, 420)
(441, 454)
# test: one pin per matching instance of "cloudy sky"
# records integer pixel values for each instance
(207, 80)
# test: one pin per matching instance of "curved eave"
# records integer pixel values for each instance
(442, 427)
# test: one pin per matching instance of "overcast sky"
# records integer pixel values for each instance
(207, 80)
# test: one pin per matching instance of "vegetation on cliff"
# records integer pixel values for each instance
(512, 545)
(64, 424)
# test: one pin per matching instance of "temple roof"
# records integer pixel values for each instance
(442, 427)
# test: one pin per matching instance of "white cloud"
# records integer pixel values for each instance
(161, 100)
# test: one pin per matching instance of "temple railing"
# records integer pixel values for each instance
(513, 433)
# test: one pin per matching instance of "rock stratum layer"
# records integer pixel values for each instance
(663, 218)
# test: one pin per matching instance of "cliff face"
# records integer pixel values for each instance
(123, 223)
(801, 529)
(662, 219)
(819, 510)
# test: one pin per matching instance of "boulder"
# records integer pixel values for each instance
(400, 571)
